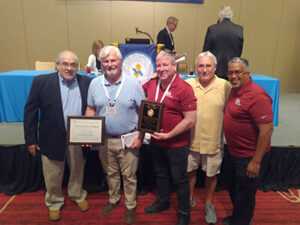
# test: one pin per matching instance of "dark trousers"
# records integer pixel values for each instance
(242, 192)
(171, 164)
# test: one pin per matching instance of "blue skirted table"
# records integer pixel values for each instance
(15, 86)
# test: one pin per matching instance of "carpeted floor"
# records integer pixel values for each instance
(29, 208)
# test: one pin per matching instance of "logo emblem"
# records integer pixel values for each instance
(238, 101)
(138, 65)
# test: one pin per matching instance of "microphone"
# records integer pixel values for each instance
(137, 31)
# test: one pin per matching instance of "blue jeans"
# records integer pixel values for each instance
(170, 164)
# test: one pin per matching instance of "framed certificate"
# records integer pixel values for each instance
(150, 116)
(85, 130)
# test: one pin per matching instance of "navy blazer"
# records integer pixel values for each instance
(224, 40)
(164, 38)
(44, 102)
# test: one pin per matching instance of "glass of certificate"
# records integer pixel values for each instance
(85, 130)
(150, 116)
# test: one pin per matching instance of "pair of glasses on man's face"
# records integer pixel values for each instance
(236, 72)
(67, 65)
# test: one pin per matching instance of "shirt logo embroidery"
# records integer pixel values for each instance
(238, 102)
(263, 117)
(169, 94)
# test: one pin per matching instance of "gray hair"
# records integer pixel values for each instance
(240, 60)
(208, 54)
(226, 12)
(60, 55)
(166, 53)
(106, 50)
(172, 19)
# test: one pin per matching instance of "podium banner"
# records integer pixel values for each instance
(138, 60)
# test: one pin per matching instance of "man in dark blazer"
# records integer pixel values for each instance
(165, 35)
(51, 99)
(225, 40)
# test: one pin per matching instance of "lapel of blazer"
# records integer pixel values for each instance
(58, 103)
(83, 93)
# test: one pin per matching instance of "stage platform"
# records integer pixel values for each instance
(280, 171)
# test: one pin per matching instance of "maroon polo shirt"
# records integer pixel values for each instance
(247, 107)
(180, 98)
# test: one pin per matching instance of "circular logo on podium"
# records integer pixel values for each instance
(138, 65)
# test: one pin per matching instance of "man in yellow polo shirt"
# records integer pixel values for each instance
(207, 135)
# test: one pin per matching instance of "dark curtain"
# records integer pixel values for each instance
(21, 172)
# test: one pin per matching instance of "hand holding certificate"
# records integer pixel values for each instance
(84, 130)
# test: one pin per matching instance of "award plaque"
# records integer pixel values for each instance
(85, 130)
(150, 116)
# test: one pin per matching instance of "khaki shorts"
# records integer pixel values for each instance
(211, 163)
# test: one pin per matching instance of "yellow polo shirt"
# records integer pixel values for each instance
(207, 135)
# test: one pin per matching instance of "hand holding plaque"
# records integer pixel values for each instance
(150, 116)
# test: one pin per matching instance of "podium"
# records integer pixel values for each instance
(139, 60)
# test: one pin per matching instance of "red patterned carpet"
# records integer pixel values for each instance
(29, 208)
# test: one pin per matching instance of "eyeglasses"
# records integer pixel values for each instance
(72, 65)
(236, 72)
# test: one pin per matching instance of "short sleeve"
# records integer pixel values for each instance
(227, 90)
(139, 94)
(90, 99)
(188, 100)
(261, 109)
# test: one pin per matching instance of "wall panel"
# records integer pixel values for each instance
(46, 29)
(13, 49)
(88, 21)
(125, 16)
(286, 62)
(38, 29)
(261, 31)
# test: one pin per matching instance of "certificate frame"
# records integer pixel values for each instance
(150, 116)
(90, 130)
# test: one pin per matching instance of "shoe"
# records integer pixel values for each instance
(210, 217)
(157, 207)
(192, 202)
(83, 206)
(130, 216)
(183, 219)
(143, 192)
(109, 207)
(228, 221)
(54, 215)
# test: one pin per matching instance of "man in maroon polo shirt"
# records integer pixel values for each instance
(169, 147)
(248, 126)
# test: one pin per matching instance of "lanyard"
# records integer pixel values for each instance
(111, 104)
(157, 89)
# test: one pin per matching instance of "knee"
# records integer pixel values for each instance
(181, 178)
